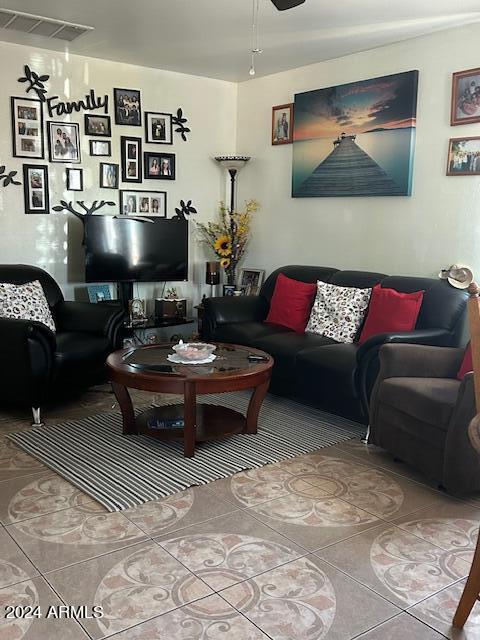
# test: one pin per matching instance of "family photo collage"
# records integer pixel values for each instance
(64, 146)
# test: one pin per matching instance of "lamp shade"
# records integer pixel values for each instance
(233, 162)
(212, 273)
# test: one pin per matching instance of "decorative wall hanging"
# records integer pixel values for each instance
(184, 210)
(356, 139)
(97, 125)
(464, 157)
(179, 121)
(128, 108)
(7, 178)
(282, 124)
(27, 128)
(63, 141)
(159, 166)
(149, 203)
(158, 128)
(101, 148)
(85, 209)
(35, 82)
(35, 188)
(74, 179)
(465, 107)
(131, 159)
(108, 175)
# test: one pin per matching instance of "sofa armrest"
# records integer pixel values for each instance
(419, 361)
(230, 309)
(435, 337)
(104, 319)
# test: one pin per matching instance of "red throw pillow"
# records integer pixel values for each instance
(390, 311)
(291, 303)
(467, 363)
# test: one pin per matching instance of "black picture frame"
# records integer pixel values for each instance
(102, 182)
(90, 118)
(52, 147)
(69, 172)
(228, 290)
(19, 139)
(35, 189)
(131, 163)
(137, 210)
(93, 153)
(123, 116)
(161, 158)
(150, 137)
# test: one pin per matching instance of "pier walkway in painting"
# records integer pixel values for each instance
(348, 171)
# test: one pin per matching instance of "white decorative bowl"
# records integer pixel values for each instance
(194, 351)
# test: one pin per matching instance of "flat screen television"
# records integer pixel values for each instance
(123, 249)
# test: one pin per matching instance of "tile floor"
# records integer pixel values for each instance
(339, 544)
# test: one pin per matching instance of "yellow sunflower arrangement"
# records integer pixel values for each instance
(228, 237)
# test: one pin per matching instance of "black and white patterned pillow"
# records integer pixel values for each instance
(25, 302)
(338, 312)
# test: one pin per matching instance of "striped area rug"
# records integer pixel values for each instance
(125, 471)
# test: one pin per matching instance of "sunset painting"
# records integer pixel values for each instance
(356, 139)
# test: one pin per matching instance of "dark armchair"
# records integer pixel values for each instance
(420, 413)
(38, 364)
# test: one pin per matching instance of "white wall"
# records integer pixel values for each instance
(438, 225)
(53, 241)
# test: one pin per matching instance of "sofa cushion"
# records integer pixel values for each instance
(338, 312)
(391, 311)
(291, 303)
(78, 349)
(25, 302)
(430, 400)
(247, 332)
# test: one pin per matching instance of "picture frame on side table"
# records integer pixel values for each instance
(128, 108)
(100, 126)
(229, 289)
(64, 141)
(158, 128)
(35, 188)
(465, 107)
(251, 280)
(282, 124)
(108, 175)
(99, 292)
(159, 166)
(74, 179)
(144, 203)
(100, 148)
(464, 156)
(131, 159)
(27, 128)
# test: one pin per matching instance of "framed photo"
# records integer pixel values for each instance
(464, 157)
(251, 280)
(74, 179)
(465, 97)
(127, 107)
(159, 166)
(131, 157)
(99, 292)
(108, 175)
(146, 203)
(27, 128)
(97, 125)
(158, 128)
(101, 148)
(35, 188)
(282, 124)
(229, 289)
(64, 141)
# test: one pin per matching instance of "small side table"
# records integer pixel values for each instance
(200, 318)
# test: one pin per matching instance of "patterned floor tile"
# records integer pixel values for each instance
(179, 510)
(438, 612)
(14, 565)
(308, 599)
(229, 549)
(131, 585)
(36, 593)
(209, 619)
(15, 463)
(402, 627)
(396, 564)
(73, 535)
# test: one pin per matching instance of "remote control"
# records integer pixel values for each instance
(254, 358)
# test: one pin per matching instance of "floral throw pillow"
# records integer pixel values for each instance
(338, 312)
(25, 302)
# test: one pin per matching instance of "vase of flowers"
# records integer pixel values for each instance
(229, 236)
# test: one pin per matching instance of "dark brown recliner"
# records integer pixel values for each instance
(420, 413)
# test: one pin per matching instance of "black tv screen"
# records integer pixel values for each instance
(122, 249)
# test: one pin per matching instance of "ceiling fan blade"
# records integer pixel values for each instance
(282, 5)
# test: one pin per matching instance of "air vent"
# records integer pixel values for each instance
(41, 25)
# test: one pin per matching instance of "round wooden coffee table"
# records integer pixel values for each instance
(147, 368)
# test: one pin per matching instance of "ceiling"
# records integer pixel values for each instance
(212, 37)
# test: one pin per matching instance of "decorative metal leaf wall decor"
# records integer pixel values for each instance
(35, 82)
(184, 210)
(7, 178)
(86, 210)
(179, 121)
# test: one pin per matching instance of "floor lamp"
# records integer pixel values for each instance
(233, 164)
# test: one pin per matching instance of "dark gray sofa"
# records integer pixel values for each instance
(311, 368)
